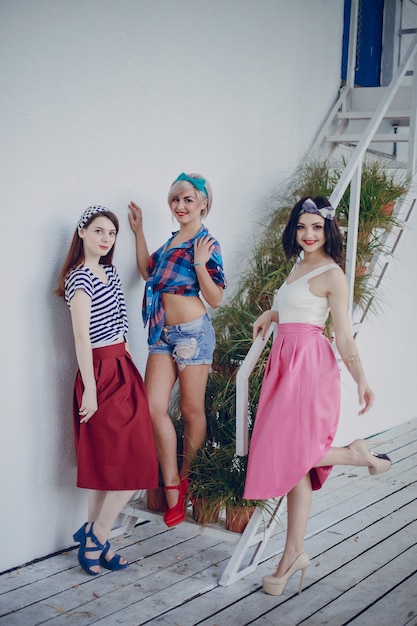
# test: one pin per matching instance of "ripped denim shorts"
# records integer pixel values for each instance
(191, 343)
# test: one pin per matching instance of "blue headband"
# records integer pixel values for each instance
(198, 183)
(309, 206)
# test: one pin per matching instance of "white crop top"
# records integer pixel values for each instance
(295, 302)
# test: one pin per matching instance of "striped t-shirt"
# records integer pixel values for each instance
(108, 319)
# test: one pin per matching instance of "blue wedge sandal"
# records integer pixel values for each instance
(81, 535)
(114, 563)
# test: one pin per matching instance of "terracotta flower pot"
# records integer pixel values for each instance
(360, 270)
(155, 499)
(237, 517)
(205, 512)
(388, 208)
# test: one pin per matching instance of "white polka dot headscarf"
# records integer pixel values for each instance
(89, 212)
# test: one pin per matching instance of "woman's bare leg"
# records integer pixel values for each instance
(298, 511)
(95, 502)
(113, 503)
(103, 509)
(193, 382)
(160, 378)
(342, 456)
(299, 504)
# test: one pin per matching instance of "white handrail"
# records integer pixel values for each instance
(242, 397)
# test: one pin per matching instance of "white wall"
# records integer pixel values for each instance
(387, 343)
(104, 101)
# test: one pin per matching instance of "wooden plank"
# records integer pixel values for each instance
(341, 569)
(157, 591)
(22, 576)
(201, 608)
(361, 542)
(62, 585)
(118, 590)
(398, 607)
(359, 599)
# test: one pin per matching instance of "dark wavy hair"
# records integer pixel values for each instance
(75, 254)
(333, 245)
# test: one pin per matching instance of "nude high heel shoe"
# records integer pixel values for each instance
(380, 463)
(275, 586)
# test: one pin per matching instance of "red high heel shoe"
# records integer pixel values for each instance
(176, 514)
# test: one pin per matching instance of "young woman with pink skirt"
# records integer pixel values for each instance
(291, 450)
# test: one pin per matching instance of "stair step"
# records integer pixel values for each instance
(368, 98)
(366, 115)
(381, 138)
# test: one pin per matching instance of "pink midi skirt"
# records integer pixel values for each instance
(116, 447)
(298, 413)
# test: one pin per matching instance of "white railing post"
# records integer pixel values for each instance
(242, 398)
(412, 144)
(352, 238)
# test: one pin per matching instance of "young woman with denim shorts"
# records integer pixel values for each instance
(181, 337)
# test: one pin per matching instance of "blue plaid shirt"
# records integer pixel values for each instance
(172, 271)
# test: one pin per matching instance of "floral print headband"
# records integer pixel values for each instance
(309, 206)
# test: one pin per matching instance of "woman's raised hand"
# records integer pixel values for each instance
(135, 217)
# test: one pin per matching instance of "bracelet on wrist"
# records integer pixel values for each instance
(196, 264)
(351, 359)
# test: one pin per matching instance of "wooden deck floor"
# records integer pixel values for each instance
(362, 541)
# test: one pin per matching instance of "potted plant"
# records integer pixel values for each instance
(155, 499)
(217, 482)
(381, 188)
(238, 510)
(206, 488)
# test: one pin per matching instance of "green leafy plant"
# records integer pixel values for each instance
(217, 481)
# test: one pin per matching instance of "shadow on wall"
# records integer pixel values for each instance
(51, 376)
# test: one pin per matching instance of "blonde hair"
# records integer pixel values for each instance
(180, 185)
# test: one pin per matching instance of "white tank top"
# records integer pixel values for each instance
(295, 302)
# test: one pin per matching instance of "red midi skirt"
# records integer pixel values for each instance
(298, 413)
(116, 447)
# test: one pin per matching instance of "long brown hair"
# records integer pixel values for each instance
(75, 255)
